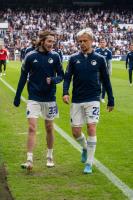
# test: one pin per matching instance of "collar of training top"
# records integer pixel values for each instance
(87, 54)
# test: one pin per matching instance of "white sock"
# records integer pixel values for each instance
(82, 141)
(91, 147)
(50, 153)
(30, 156)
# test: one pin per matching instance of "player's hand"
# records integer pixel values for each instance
(16, 101)
(110, 108)
(48, 80)
(66, 99)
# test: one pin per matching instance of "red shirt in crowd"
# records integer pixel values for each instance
(3, 54)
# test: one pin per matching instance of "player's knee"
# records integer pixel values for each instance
(32, 128)
(92, 129)
(49, 127)
(76, 131)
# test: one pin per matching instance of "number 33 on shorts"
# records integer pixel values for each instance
(53, 111)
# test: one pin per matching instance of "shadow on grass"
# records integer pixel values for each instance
(5, 193)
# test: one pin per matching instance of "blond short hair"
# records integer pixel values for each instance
(86, 31)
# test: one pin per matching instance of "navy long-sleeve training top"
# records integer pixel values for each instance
(105, 52)
(87, 71)
(29, 49)
(22, 53)
(37, 67)
(129, 59)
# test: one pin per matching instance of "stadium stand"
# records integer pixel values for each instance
(115, 25)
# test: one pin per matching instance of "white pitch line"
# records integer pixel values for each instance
(12, 89)
(113, 178)
(108, 173)
(25, 133)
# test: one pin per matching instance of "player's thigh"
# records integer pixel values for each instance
(49, 125)
(0, 63)
(77, 115)
(92, 112)
(33, 109)
(4, 63)
(32, 124)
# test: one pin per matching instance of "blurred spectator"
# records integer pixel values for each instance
(3, 59)
(22, 52)
(32, 46)
(115, 25)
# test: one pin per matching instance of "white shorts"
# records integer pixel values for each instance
(48, 110)
(84, 113)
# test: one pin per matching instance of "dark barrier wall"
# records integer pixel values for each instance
(43, 3)
(34, 3)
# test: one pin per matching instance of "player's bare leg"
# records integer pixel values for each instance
(50, 141)
(30, 143)
(91, 147)
(80, 137)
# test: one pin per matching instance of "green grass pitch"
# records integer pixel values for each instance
(66, 181)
